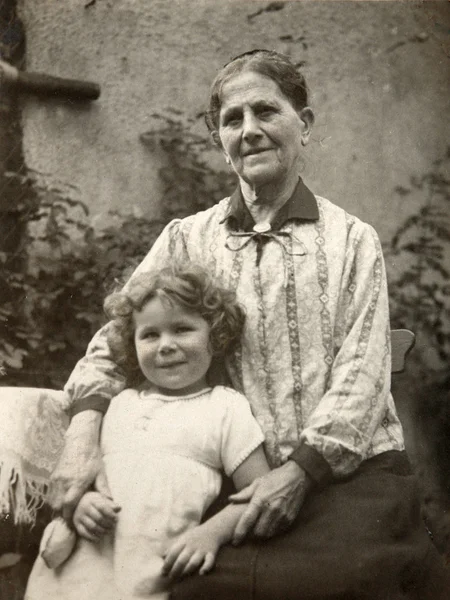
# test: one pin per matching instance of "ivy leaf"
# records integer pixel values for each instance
(9, 559)
(15, 359)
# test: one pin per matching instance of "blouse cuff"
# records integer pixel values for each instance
(91, 403)
(313, 463)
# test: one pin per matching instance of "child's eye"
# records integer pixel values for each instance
(183, 329)
(149, 335)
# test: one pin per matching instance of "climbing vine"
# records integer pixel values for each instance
(54, 283)
(190, 183)
(418, 259)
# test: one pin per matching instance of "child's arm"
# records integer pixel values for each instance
(95, 515)
(197, 548)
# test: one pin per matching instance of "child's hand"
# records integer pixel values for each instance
(194, 550)
(95, 515)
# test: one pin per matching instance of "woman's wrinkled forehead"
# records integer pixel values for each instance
(250, 89)
(234, 74)
(247, 69)
(271, 65)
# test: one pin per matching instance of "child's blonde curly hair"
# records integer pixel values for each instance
(188, 286)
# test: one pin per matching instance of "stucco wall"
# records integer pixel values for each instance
(378, 72)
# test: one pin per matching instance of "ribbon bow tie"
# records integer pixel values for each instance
(291, 245)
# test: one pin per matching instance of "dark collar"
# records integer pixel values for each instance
(301, 205)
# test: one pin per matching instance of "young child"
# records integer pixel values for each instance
(165, 441)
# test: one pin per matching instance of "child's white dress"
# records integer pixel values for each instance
(163, 456)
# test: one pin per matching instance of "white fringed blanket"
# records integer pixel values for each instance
(32, 426)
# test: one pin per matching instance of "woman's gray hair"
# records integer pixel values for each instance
(271, 64)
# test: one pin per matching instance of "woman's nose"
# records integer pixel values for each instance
(250, 126)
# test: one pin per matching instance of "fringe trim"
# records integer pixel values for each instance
(21, 493)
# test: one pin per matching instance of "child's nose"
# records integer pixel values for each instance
(166, 343)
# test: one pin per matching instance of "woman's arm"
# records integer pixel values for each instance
(339, 432)
(196, 550)
(94, 381)
(79, 463)
(274, 502)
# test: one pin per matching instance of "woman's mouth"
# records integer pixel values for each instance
(255, 151)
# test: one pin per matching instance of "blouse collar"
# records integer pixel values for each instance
(301, 205)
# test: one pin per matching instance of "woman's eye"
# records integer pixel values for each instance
(266, 111)
(231, 120)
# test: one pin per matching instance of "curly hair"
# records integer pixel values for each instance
(188, 286)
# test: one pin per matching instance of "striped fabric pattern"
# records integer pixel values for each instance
(314, 359)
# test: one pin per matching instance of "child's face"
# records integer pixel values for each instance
(172, 347)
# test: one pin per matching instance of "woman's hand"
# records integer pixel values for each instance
(95, 515)
(275, 501)
(195, 550)
(79, 465)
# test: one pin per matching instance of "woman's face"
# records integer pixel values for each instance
(260, 131)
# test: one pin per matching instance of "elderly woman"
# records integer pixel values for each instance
(314, 363)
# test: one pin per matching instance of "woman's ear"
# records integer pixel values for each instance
(217, 142)
(307, 116)
(216, 138)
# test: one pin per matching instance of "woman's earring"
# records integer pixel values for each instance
(303, 142)
(228, 160)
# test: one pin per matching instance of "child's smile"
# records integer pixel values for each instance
(172, 346)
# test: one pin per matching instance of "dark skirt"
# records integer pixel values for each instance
(359, 538)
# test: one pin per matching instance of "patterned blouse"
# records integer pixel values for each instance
(314, 358)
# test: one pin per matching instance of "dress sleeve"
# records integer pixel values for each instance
(240, 432)
(340, 430)
(96, 377)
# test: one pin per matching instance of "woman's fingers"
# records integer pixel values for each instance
(272, 519)
(245, 494)
(252, 512)
(247, 521)
(276, 499)
(70, 501)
